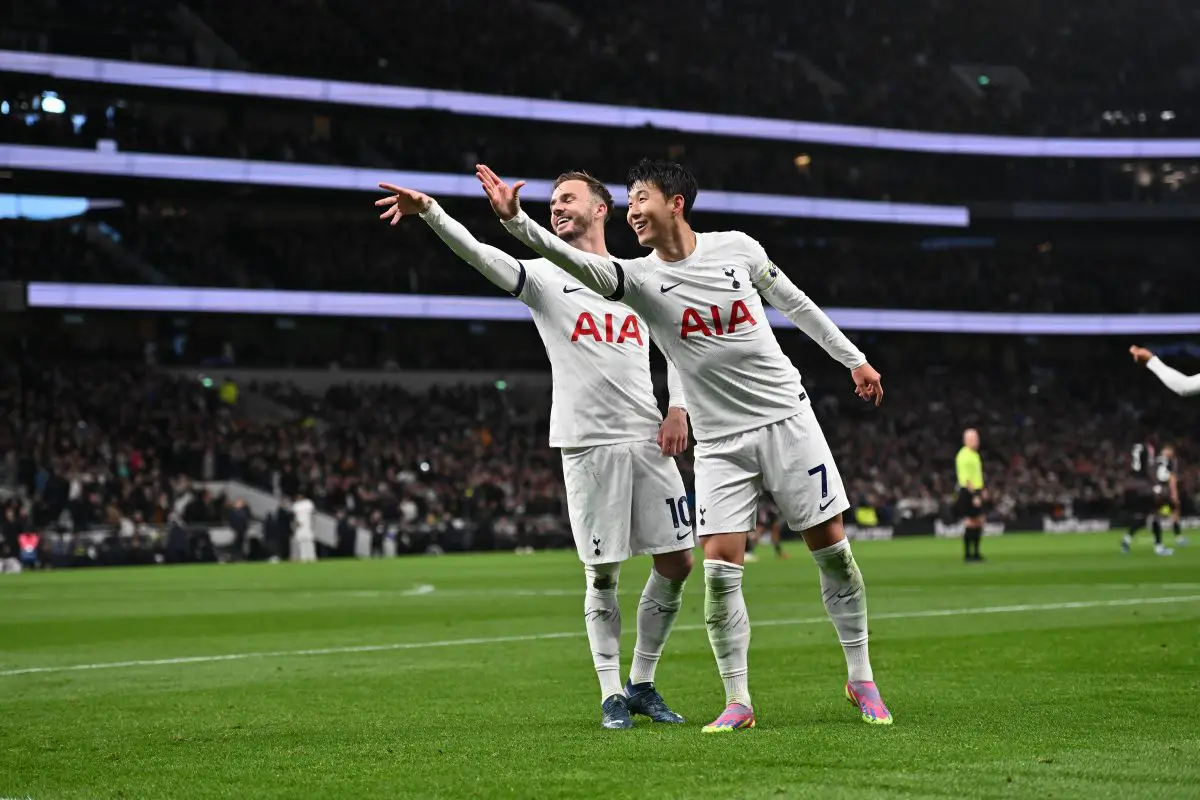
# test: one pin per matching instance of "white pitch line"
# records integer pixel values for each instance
(535, 637)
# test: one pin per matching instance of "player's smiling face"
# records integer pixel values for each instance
(649, 212)
(573, 210)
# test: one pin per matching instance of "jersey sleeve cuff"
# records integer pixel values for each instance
(517, 221)
(432, 212)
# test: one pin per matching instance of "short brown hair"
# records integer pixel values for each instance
(596, 186)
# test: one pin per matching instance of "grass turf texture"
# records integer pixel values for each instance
(1052, 695)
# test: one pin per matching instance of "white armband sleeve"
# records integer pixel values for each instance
(1173, 379)
(601, 274)
(675, 396)
(778, 290)
(494, 264)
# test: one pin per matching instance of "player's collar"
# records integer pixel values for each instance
(687, 260)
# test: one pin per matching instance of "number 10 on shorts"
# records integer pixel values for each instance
(679, 512)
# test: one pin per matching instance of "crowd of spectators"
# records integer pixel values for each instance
(839, 60)
(130, 452)
(133, 453)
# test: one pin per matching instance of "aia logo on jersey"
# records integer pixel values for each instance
(695, 324)
(587, 327)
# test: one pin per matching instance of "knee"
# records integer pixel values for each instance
(729, 547)
(675, 566)
(602, 577)
(825, 534)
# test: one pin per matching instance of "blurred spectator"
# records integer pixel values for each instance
(420, 467)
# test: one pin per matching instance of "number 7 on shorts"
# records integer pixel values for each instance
(820, 470)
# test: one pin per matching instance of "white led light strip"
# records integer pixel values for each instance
(95, 297)
(193, 79)
(307, 176)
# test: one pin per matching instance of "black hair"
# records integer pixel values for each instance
(670, 177)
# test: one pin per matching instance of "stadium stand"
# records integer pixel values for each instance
(100, 438)
(341, 247)
(237, 128)
(1030, 68)
(128, 451)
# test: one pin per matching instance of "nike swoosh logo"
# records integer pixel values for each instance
(664, 288)
(569, 289)
(681, 536)
(827, 505)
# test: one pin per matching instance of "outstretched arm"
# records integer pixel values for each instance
(598, 273)
(1173, 379)
(494, 264)
(778, 290)
(499, 267)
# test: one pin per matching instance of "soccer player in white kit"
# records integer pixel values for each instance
(306, 538)
(701, 294)
(624, 492)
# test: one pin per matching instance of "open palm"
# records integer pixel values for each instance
(401, 202)
(505, 199)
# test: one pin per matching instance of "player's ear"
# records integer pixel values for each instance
(677, 204)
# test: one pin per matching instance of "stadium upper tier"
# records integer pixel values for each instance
(343, 247)
(38, 111)
(1030, 68)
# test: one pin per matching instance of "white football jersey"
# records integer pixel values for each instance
(302, 512)
(599, 349)
(707, 315)
(600, 359)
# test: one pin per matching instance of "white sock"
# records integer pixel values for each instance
(845, 599)
(602, 617)
(728, 627)
(656, 615)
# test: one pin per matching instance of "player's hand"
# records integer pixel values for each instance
(401, 202)
(505, 199)
(867, 384)
(1140, 354)
(673, 433)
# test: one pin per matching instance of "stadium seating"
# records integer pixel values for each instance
(126, 449)
(344, 248)
(876, 66)
(438, 142)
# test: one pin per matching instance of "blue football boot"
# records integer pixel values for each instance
(644, 699)
(615, 713)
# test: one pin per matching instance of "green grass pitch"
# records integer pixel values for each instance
(1058, 669)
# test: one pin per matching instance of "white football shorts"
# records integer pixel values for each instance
(790, 459)
(623, 500)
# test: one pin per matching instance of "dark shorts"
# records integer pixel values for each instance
(1149, 500)
(964, 504)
